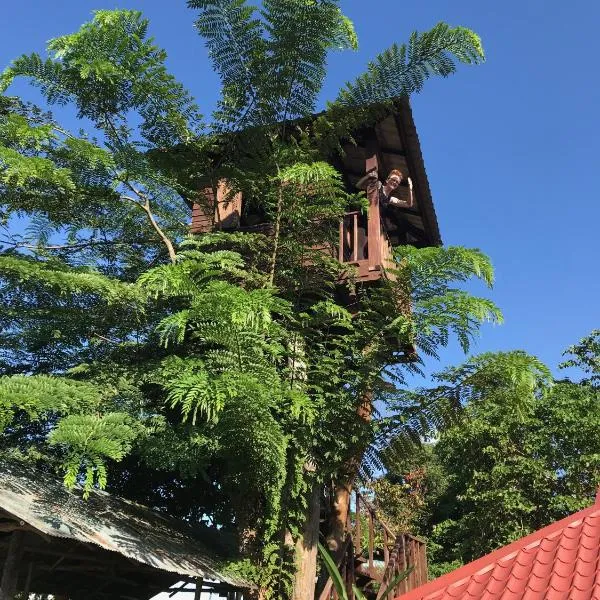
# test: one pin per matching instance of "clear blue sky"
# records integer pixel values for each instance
(512, 147)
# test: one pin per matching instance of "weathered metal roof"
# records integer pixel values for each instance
(112, 523)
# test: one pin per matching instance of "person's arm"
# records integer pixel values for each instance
(393, 201)
(364, 181)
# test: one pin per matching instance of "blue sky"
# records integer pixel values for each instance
(512, 147)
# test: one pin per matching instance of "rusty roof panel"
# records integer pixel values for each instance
(110, 522)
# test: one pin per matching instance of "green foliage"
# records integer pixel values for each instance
(334, 573)
(105, 192)
(107, 68)
(338, 580)
(438, 308)
(524, 449)
(216, 377)
(271, 62)
(402, 70)
(89, 441)
(41, 396)
(19, 170)
(585, 355)
(65, 281)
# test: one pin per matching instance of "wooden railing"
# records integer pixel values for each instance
(374, 555)
(363, 246)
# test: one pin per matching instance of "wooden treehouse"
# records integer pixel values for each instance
(373, 554)
(364, 241)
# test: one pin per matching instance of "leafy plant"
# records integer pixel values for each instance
(339, 584)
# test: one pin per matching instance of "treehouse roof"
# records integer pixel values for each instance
(394, 140)
(391, 136)
(103, 542)
(557, 562)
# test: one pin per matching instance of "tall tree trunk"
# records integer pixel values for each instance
(306, 549)
(340, 504)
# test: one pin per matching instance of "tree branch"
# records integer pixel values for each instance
(145, 206)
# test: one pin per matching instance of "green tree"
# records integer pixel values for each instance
(525, 449)
(192, 370)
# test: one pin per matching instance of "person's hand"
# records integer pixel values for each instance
(410, 183)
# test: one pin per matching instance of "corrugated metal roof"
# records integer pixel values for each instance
(110, 522)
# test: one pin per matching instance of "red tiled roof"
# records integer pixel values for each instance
(558, 562)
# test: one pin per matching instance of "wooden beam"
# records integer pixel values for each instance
(392, 151)
(371, 541)
(28, 580)
(198, 590)
(19, 525)
(178, 589)
(10, 572)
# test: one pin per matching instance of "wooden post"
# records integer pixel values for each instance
(10, 572)
(306, 549)
(374, 221)
(386, 550)
(198, 590)
(351, 576)
(402, 566)
(342, 239)
(411, 563)
(355, 237)
(357, 526)
(371, 542)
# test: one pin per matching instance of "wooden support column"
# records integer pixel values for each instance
(351, 576)
(374, 222)
(371, 542)
(198, 590)
(386, 550)
(402, 565)
(10, 572)
(357, 526)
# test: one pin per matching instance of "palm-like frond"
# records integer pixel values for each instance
(90, 440)
(402, 70)
(108, 68)
(437, 309)
(300, 35)
(272, 68)
(415, 416)
(234, 40)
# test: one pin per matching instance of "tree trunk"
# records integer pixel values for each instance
(338, 517)
(306, 549)
(10, 572)
(340, 506)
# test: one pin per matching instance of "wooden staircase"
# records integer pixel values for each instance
(373, 555)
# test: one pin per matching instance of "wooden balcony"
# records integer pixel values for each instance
(364, 245)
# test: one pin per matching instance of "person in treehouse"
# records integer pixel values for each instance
(387, 189)
(387, 200)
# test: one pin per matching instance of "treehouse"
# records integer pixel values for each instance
(364, 241)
